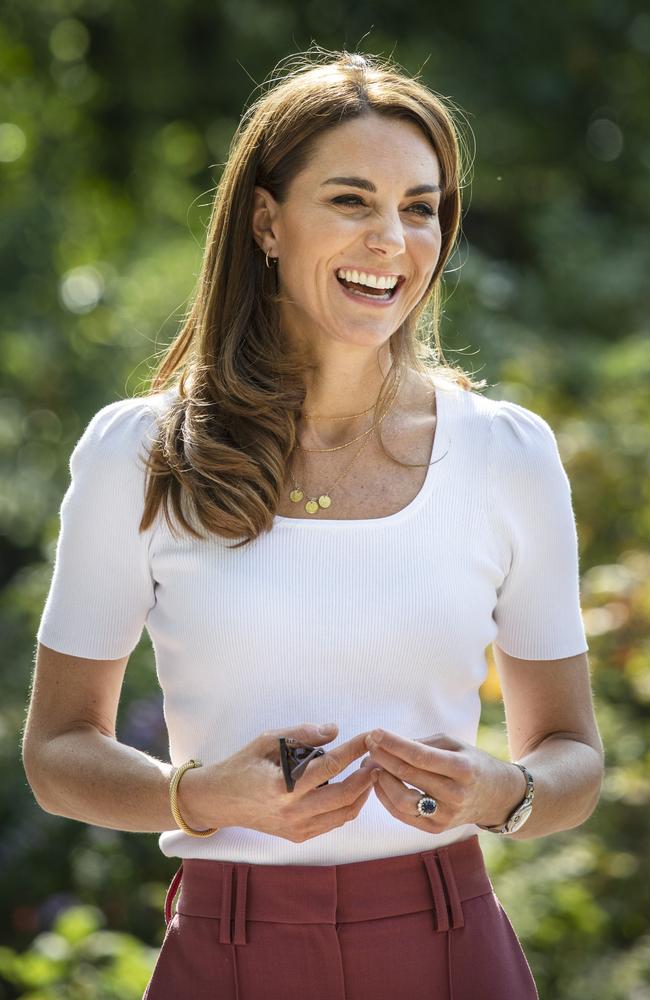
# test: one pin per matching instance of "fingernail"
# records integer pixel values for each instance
(324, 730)
(375, 775)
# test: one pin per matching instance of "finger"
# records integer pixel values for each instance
(446, 788)
(340, 816)
(441, 740)
(306, 734)
(337, 793)
(369, 762)
(404, 799)
(407, 812)
(423, 757)
(331, 763)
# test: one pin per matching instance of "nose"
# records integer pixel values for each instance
(387, 237)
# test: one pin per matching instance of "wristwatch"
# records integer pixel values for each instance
(516, 819)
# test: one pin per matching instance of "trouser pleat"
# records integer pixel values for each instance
(226, 903)
(240, 905)
(446, 897)
(453, 895)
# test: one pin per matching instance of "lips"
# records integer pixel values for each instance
(393, 291)
(370, 300)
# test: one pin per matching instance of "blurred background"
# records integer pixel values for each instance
(115, 119)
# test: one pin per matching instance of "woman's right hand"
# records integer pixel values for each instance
(248, 788)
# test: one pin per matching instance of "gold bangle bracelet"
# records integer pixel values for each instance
(173, 801)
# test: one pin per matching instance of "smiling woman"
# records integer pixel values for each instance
(368, 597)
(336, 254)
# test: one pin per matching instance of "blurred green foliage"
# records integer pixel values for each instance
(114, 121)
(77, 959)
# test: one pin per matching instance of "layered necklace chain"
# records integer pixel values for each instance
(322, 502)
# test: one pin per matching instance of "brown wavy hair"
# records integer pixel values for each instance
(225, 442)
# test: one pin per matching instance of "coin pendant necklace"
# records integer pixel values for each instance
(322, 502)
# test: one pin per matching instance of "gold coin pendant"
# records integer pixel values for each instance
(296, 495)
(311, 506)
(324, 500)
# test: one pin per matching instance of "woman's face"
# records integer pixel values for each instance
(367, 203)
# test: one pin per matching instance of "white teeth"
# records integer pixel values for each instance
(371, 280)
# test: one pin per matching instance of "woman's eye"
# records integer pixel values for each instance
(347, 199)
(353, 201)
(425, 209)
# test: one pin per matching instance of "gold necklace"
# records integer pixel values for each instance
(347, 444)
(317, 416)
(324, 501)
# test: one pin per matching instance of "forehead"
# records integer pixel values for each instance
(371, 144)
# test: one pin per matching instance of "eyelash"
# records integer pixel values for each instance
(348, 199)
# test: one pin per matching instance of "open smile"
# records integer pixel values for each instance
(369, 287)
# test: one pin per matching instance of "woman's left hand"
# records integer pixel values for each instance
(469, 785)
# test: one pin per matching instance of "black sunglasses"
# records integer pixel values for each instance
(294, 760)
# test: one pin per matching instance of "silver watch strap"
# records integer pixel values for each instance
(525, 803)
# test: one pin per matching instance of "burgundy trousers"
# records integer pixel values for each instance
(425, 926)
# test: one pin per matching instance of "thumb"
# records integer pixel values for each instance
(309, 734)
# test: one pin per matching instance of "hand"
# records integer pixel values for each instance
(469, 785)
(248, 788)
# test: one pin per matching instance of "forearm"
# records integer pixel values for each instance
(88, 776)
(568, 780)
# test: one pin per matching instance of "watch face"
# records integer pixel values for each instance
(518, 821)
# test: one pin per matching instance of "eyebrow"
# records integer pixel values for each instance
(365, 185)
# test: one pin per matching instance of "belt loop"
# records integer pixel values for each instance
(240, 905)
(442, 919)
(226, 902)
(452, 889)
(171, 892)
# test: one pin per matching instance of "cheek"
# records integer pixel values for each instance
(427, 242)
(425, 251)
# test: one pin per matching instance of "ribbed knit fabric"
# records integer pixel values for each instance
(369, 623)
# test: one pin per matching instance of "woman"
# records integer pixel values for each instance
(391, 522)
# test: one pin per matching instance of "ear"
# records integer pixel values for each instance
(265, 214)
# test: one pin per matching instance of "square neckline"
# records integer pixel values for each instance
(441, 434)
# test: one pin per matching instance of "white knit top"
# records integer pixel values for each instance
(382, 622)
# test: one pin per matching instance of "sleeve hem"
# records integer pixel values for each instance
(548, 653)
(80, 650)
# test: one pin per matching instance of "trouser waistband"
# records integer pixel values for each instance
(234, 892)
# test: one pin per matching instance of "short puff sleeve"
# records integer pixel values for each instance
(537, 612)
(101, 589)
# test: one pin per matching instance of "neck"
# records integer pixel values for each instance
(333, 411)
(346, 380)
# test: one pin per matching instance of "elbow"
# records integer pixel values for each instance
(35, 779)
(597, 788)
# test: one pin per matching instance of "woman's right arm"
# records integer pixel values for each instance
(74, 764)
(77, 768)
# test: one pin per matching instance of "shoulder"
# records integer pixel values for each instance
(515, 428)
(523, 458)
(508, 430)
(117, 433)
(514, 432)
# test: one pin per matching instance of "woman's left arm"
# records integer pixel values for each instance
(551, 729)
